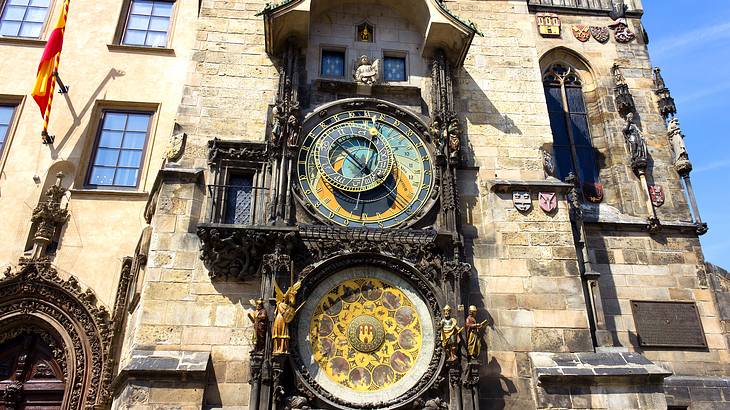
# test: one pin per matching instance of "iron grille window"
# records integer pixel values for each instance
(333, 64)
(572, 146)
(23, 18)
(394, 69)
(6, 118)
(239, 200)
(119, 149)
(148, 23)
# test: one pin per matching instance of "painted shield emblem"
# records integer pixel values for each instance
(522, 200)
(593, 192)
(622, 33)
(548, 201)
(582, 32)
(548, 24)
(601, 34)
(657, 195)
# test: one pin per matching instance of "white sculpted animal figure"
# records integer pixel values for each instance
(367, 72)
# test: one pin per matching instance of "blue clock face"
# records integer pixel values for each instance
(365, 168)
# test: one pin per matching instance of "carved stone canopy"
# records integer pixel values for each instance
(441, 28)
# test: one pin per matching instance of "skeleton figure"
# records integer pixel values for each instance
(637, 144)
(367, 72)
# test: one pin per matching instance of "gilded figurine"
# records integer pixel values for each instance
(454, 134)
(285, 312)
(474, 333)
(367, 72)
(637, 144)
(449, 334)
(260, 320)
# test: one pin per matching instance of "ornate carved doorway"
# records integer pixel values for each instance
(31, 372)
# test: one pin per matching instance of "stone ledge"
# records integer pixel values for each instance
(595, 368)
(504, 185)
(174, 364)
(608, 215)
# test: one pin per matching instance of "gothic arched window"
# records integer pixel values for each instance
(572, 147)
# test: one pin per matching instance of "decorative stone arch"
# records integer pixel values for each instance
(441, 29)
(576, 61)
(35, 298)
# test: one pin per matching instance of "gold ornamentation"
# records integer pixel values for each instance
(365, 334)
(285, 313)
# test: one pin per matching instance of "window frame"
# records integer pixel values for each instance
(229, 174)
(333, 49)
(10, 125)
(17, 102)
(126, 13)
(567, 119)
(44, 27)
(95, 146)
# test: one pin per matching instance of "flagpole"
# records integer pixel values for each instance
(47, 138)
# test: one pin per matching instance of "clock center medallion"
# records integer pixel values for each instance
(366, 334)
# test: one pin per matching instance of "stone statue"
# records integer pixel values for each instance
(276, 114)
(473, 333)
(296, 403)
(449, 334)
(637, 144)
(285, 313)
(293, 128)
(677, 139)
(618, 76)
(176, 146)
(659, 79)
(260, 320)
(437, 137)
(432, 404)
(367, 72)
(454, 133)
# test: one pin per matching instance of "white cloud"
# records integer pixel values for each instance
(703, 36)
(712, 166)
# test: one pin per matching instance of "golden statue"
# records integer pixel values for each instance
(365, 34)
(285, 313)
(473, 333)
(449, 334)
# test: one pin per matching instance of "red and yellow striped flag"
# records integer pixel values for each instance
(46, 81)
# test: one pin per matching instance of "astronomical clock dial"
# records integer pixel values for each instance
(365, 168)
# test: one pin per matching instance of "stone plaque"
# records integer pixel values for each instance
(668, 324)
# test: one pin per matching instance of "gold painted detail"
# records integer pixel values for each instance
(365, 334)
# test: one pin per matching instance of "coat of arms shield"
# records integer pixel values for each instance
(522, 200)
(601, 34)
(548, 24)
(582, 32)
(656, 193)
(593, 192)
(548, 201)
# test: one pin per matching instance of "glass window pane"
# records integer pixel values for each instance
(142, 7)
(14, 13)
(130, 159)
(239, 197)
(560, 132)
(134, 140)
(156, 39)
(554, 98)
(106, 157)
(162, 8)
(394, 69)
(159, 23)
(115, 121)
(575, 99)
(9, 28)
(333, 64)
(36, 14)
(581, 134)
(6, 114)
(138, 122)
(135, 37)
(3, 133)
(18, 2)
(39, 3)
(31, 30)
(126, 177)
(138, 23)
(563, 161)
(587, 164)
(101, 176)
(111, 139)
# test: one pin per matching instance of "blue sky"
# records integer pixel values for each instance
(690, 41)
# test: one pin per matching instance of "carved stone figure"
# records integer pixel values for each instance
(367, 72)
(176, 147)
(260, 320)
(681, 157)
(285, 312)
(48, 216)
(659, 79)
(618, 76)
(548, 163)
(637, 144)
(449, 334)
(276, 126)
(454, 135)
(293, 127)
(432, 404)
(296, 403)
(473, 333)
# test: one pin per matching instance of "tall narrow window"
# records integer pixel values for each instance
(572, 147)
(6, 118)
(23, 18)
(239, 199)
(148, 23)
(119, 149)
